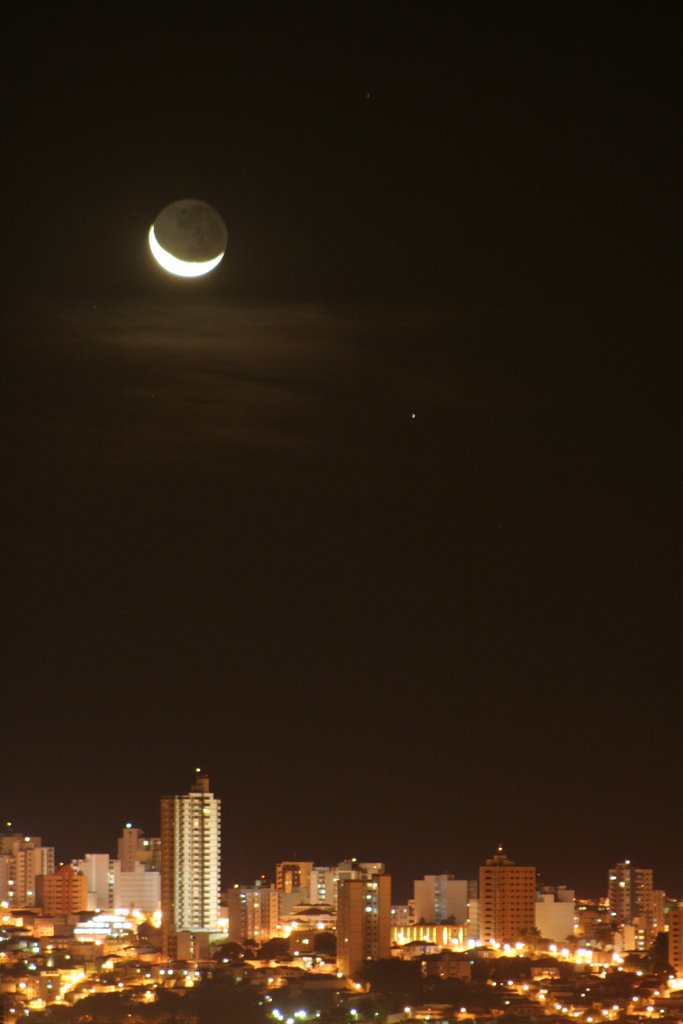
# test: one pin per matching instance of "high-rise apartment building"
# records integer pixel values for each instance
(632, 901)
(190, 867)
(293, 874)
(127, 847)
(324, 882)
(441, 898)
(136, 890)
(6, 877)
(554, 912)
(25, 858)
(134, 849)
(593, 921)
(150, 855)
(322, 886)
(363, 921)
(675, 919)
(96, 867)
(253, 912)
(658, 912)
(507, 897)
(135, 876)
(354, 869)
(8, 840)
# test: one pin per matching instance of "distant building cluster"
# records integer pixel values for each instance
(30, 880)
(160, 900)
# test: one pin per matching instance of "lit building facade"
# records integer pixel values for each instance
(593, 921)
(133, 849)
(402, 915)
(128, 844)
(363, 921)
(324, 882)
(190, 867)
(253, 913)
(658, 912)
(473, 929)
(441, 936)
(63, 893)
(136, 875)
(554, 912)
(632, 901)
(27, 859)
(675, 937)
(439, 898)
(6, 877)
(322, 888)
(507, 899)
(137, 889)
(96, 867)
(293, 874)
(308, 918)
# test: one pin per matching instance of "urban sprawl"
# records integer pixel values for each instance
(151, 936)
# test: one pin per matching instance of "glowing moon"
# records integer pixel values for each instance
(188, 238)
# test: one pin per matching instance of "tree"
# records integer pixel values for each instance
(220, 1001)
(531, 937)
(275, 949)
(227, 951)
(399, 980)
(657, 959)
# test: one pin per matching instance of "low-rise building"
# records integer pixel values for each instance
(448, 965)
(443, 936)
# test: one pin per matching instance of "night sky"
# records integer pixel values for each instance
(379, 522)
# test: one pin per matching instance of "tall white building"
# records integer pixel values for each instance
(322, 887)
(190, 868)
(136, 889)
(97, 869)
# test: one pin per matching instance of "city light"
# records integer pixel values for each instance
(361, 915)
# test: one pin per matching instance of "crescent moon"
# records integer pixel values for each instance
(181, 268)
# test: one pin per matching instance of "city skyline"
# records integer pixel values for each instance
(174, 884)
(457, 867)
(377, 522)
(98, 938)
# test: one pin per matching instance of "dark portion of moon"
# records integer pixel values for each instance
(191, 230)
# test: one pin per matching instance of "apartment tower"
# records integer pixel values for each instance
(675, 939)
(632, 901)
(507, 899)
(363, 921)
(190, 869)
(293, 874)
